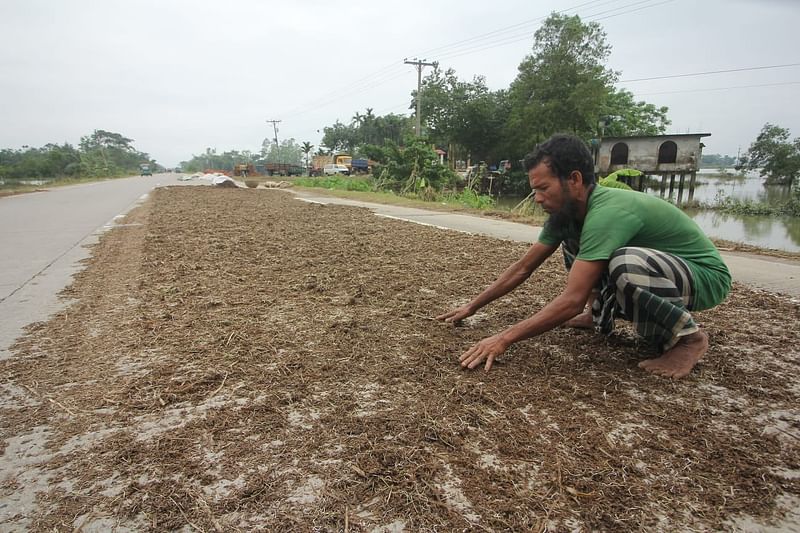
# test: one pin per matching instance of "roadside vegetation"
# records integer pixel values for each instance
(103, 154)
(790, 208)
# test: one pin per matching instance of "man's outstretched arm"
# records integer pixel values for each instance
(509, 280)
(583, 277)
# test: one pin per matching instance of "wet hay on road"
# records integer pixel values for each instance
(246, 360)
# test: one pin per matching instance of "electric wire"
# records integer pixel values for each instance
(742, 69)
(721, 88)
(525, 36)
(515, 33)
(389, 72)
(513, 27)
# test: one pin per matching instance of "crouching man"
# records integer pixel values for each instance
(628, 255)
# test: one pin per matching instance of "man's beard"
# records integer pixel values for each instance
(567, 214)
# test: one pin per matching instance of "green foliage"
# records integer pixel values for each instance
(49, 162)
(728, 204)
(335, 182)
(366, 129)
(212, 160)
(105, 153)
(339, 138)
(470, 198)
(306, 149)
(562, 86)
(411, 168)
(750, 207)
(717, 160)
(614, 184)
(288, 152)
(466, 114)
(612, 180)
(101, 154)
(621, 115)
(774, 155)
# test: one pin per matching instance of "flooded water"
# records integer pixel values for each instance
(780, 233)
(710, 188)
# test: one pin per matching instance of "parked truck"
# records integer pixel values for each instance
(361, 166)
(318, 162)
(283, 169)
(279, 169)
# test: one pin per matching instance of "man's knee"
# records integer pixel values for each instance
(622, 262)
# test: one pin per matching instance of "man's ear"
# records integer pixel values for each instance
(576, 177)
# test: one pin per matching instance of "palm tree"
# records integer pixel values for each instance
(357, 119)
(306, 149)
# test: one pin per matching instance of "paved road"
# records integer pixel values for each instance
(770, 273)
(43, 237)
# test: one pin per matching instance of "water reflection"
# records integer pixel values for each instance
(710, 188)
(759, 230)
(782, 233)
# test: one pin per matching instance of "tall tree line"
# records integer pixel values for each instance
(103, 153)
(563, 85)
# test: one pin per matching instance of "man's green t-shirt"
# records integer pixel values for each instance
(616, 218)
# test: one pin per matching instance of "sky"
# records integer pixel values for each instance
(180, 76)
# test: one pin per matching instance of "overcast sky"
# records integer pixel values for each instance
(179, 76)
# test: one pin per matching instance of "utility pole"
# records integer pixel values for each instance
(419, 64)
(275, 128)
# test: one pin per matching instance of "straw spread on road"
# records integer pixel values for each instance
(238, 359)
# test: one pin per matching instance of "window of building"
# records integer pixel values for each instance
(619, 154)
(668, 152)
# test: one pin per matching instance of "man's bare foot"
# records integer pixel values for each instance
(679, 360)
(583, 321)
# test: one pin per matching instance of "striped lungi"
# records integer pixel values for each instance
(651, 289)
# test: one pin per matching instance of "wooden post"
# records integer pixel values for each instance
(680, 188)
(663, 184)
(691, 185)
(671, 185)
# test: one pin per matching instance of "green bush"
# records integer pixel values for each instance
(470, 198)
(726, 204)
(411, 168)
(335, 182)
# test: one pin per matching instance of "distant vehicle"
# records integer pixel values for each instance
(281, 169)
(361, 166)
(144, 170)
(333, 169)
(319, 162)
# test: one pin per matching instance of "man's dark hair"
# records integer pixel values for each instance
(563, 154)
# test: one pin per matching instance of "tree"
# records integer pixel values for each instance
(306, 149)
(101, 154)
(105, 153)
(717, 160)
(388, 128)
(411, 168)
(287, 152)
(340, 137)
(623, 116)
(563, 85)
(463, 113)
(774, 156)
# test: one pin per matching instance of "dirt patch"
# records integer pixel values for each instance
(243, 360)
